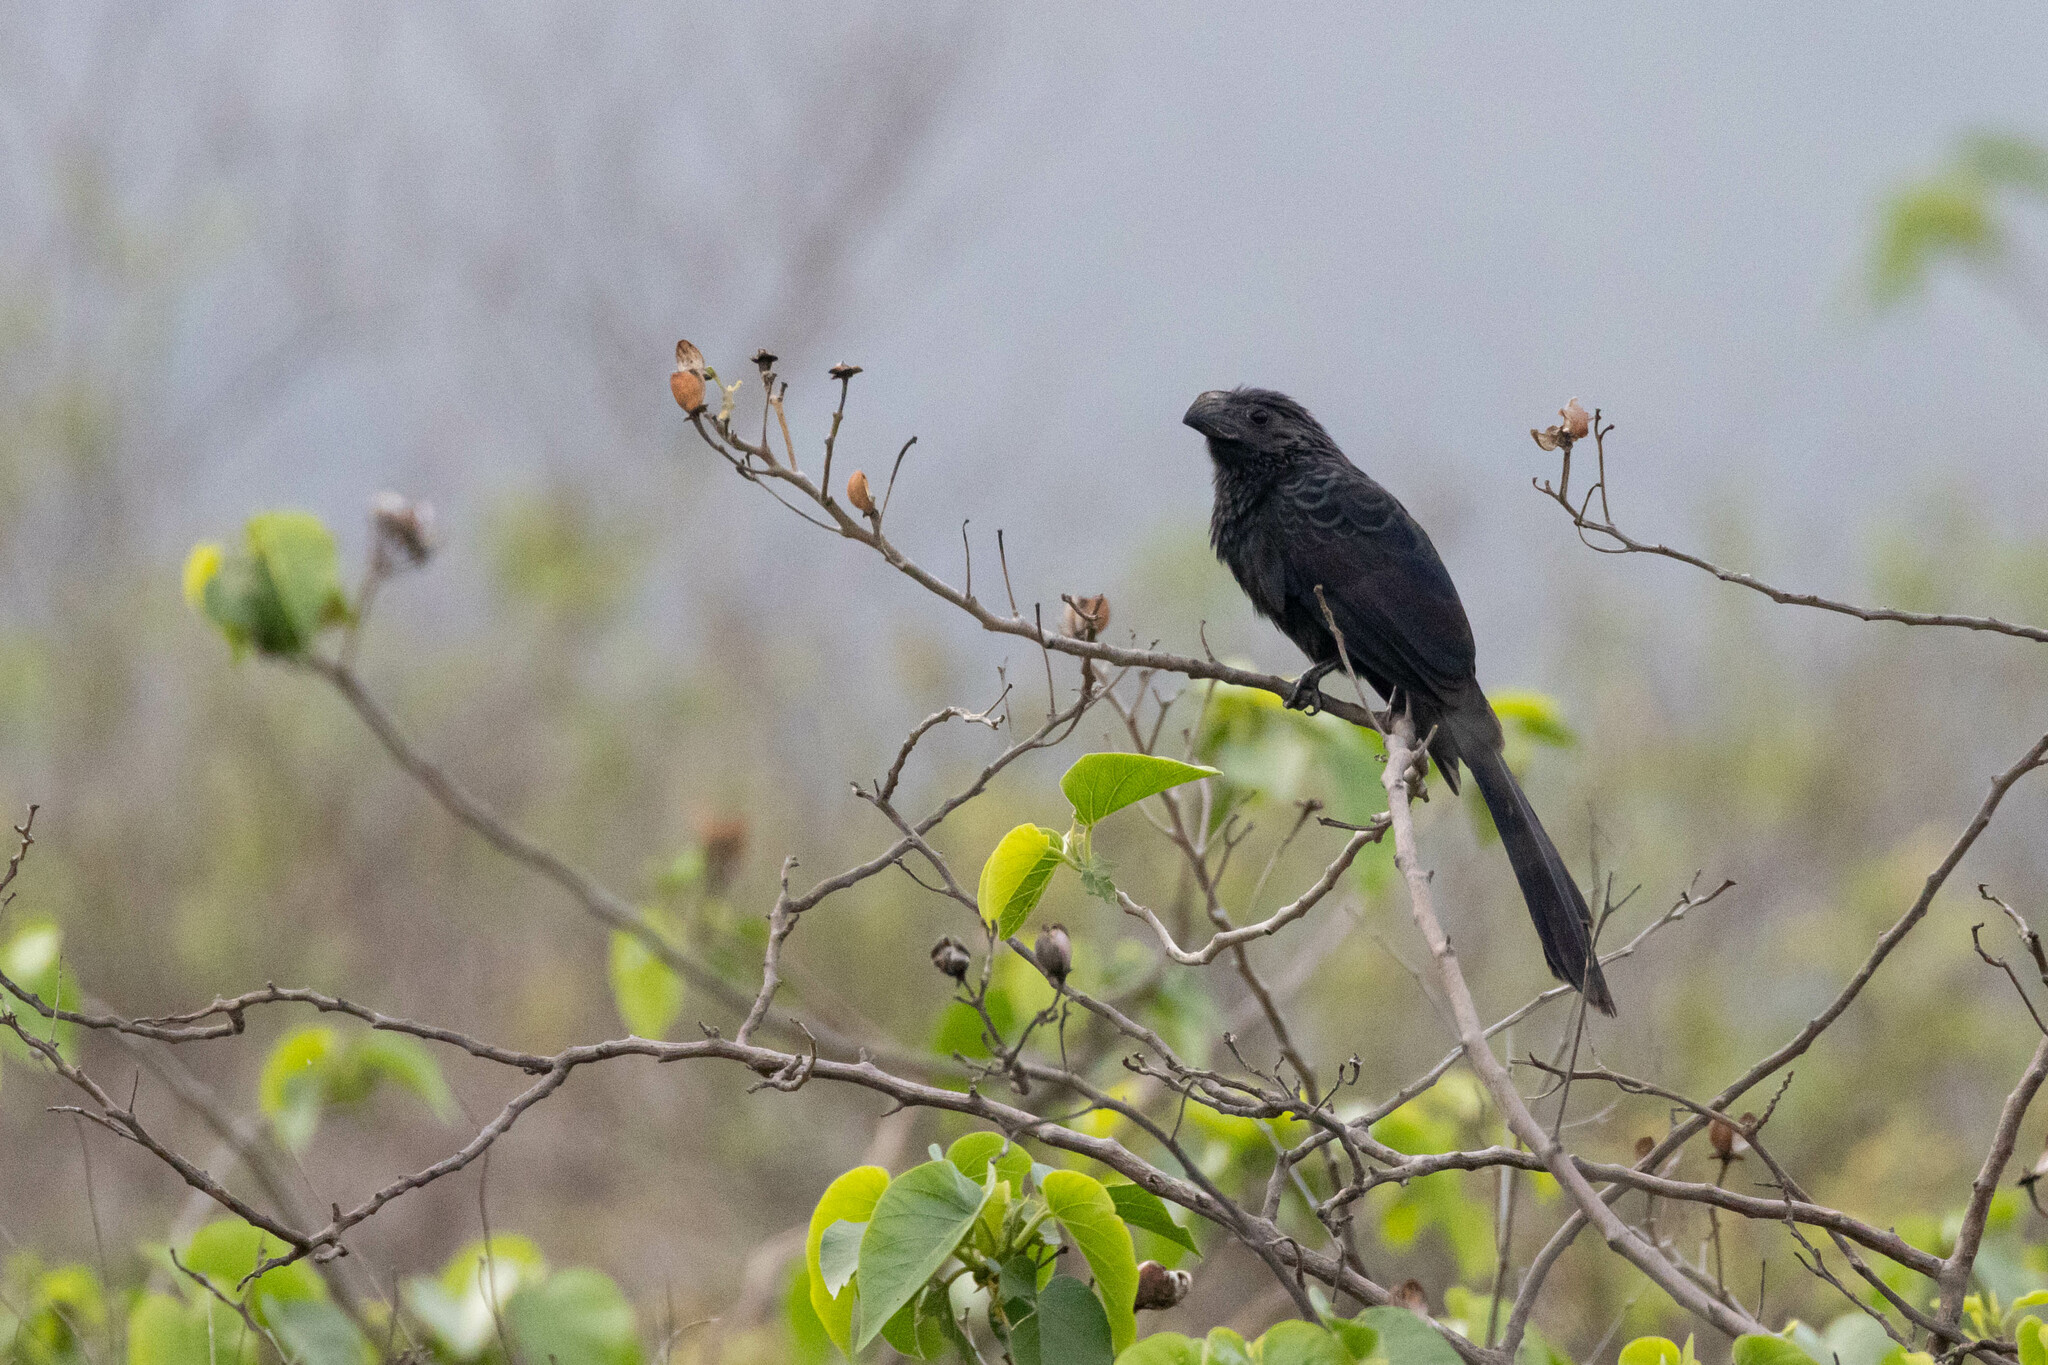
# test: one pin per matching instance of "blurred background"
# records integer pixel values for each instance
(256, 256)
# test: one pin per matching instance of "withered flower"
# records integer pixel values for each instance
(1577, 421)
(765, 358)
(843, 371)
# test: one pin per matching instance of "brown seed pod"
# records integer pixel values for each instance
(843, 371)
(405, 531)
(1054, 953)
(951, 957)
(1411, 1296)
(766, 358)
(724, 838)
(1721, 1136)
(1159, 1287)
(1086, 617)
(687, 383)
(857, 492)
(1644, 1146)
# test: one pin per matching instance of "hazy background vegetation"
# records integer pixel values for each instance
(257, 257)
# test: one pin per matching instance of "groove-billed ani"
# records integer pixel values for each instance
(1293, 514)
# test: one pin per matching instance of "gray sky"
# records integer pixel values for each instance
(447, 248)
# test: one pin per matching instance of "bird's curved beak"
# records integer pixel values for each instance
(1207, 414)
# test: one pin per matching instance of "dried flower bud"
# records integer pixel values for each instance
(687, 383)
(1054, 953)
(765, 358)
(1721, 1136)
(724, 839)
(2039, 1171)
(1577, 421)
(1411, 1296)
(857, 492)
(843, 371)
(952, 959)
(405, 531)
(1644, 1146)
(1159, 1287)
(1086, 617)
(1551, 438)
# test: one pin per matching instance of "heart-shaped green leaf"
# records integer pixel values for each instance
(1088, 1214)
(917, 1222)
(1100, 784)
(1015, 875)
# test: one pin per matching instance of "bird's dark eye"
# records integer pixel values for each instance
(1260, 417)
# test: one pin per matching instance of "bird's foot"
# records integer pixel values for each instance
(1307, 696)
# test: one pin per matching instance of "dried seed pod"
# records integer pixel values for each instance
(1644, 1146)
(1551, 438)
(857, 492)
(1577, 421)
(1721, 1136)
(724, 839)
(843, 371)
(765, 358)
(687, 383)
(1086, 617)
(1411, 1296)
(1159, 1287)
(1054, 953)
(405, 531)
(952, 959)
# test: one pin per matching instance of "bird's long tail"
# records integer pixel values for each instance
(1562, 921)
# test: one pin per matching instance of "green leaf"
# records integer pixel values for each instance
(163, 1331)
(575, 1317)
(1535, 715)
(227, 1249)
(1757, 1349)
(648, 993)
(293, 1086)
(298, 554)
(404, 1061)
(1070, 1325)
(1086, 1211)
(808, 1344)
(1295, 1342)
(1141, 1208)
(1015, 875)
(1101, 784)
(900, 1331)
(852, 1197)
(1406, 1338)
(916, 1224)
(1650, 1351)
(239, 598)
(2033, 1347)
(1359, 1341)
(1225, 1347)
(839, 1254)
(461, 1308)
(318, 1333)
(1947, 217)
(1163, 1348)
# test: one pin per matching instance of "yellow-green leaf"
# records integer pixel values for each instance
(1084, 1208)
(851, 1198)
(1015, 876)
(1102, 784)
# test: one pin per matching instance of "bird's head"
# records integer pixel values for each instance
(1250, 427)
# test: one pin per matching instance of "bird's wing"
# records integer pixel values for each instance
(1387, 589)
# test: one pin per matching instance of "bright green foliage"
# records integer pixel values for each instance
(1068, 1328)
(1102, 784)
(165, 1330)
(33, 958)
(1336, 1342)
(1439, 1120)
(314, 1067)
(1756, 1349)
(290, 1302)
(2033, 1348)
(1015, 875)
(1141, 1208)
(1534, 715)
(647, 991)
(63, 1313)
(1951, 215)
(850, 1199)
(573, 1317)
(278, 592)
(1088, 1214)
(1656, 1351)
(1405, 1339)
(918, 1221)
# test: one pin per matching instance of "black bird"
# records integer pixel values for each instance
(1293, 514)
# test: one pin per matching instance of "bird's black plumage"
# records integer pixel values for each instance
(1293, 514)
